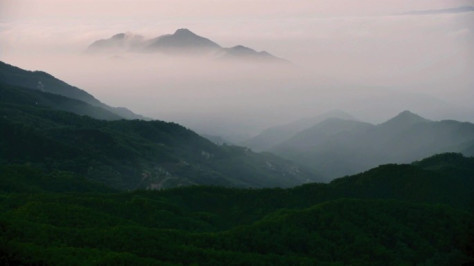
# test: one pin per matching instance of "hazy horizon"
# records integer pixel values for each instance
(371, 59)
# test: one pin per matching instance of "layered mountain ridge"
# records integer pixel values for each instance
(337, 147)
(53, 131)
(181, 42)
(64, 178)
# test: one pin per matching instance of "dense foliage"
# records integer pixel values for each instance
(371, 218)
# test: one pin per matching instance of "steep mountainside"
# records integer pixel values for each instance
(44, 82)
(339, 147)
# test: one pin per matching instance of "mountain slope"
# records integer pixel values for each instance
(118, 42)
(44, 82)
(245, 53)
(18, 95)
(404, 138)
(275, 135)
(133, 154)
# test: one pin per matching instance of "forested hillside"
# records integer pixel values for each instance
(395, 214)
(127, 154)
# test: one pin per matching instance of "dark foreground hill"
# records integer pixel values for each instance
(418, 214)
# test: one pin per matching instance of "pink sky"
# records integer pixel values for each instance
(226, 9)
(362, 43)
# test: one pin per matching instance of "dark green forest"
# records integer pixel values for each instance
(77, 190)
(394, 214)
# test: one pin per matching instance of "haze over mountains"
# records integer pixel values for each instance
(123, 154)
(337, 147)
(275, 135)
(86, 183)
(182, 42)
(331, 145)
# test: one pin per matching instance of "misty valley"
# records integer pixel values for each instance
(236, 132)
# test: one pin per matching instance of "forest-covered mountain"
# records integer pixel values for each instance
(64, 178)
(44, 82)
(417, 214)
(124, 154)
(338, 147)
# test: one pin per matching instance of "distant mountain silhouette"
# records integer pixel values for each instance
(181, 42)
(338, 147)
(404, 119)
(120, 41)
(275, 135)
(242, 52)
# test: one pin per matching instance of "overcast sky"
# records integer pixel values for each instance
(337, 46)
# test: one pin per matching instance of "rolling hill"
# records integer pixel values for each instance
(391, 215)
(338, 147)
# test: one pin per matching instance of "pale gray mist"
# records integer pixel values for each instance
(371, 60)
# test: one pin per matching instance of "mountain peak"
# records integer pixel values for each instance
(118, 36)
(406, 118)
(182, 40)
(409, 115)
(183, 31)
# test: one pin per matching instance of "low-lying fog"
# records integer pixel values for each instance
(372, 67)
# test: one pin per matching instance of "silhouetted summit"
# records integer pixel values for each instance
(240, 51)
(403, 119)
(119, 36)
(118, 42)
(182, 41)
